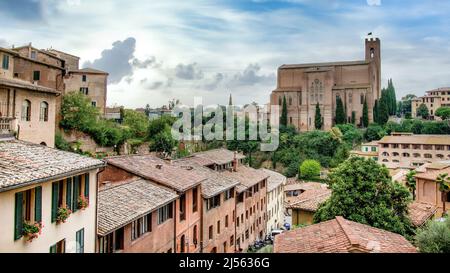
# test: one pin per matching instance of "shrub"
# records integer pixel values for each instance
(309, 169)
(434, 237)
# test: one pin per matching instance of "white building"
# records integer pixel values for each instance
(36, 184)
(275, 200)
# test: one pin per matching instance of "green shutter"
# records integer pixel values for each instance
(76, 193)
(55, 197)
(53, 249)
(38, 204)
(86, 185)
(69, 193)
(18, 218)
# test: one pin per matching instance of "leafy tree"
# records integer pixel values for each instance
(137, 122)
(406, 103)
(61, 143)
(284, 117)
(383, 108)
(158, 125)
(434, 237)
(422, 111)
(363, 191)
(340, 115)
(443, 181)
(309, 169)
(365, 117)
(147, 110)
(350, 134)
(411, 182)
(374, 132)
(77, 112)
(318, 118)
(443, 112)
(163, 142)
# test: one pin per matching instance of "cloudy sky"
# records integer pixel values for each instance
(162, 49)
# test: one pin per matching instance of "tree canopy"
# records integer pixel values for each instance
(309, 169)
(434, 237)
(422, 111)
(443, 112)
(340, 113)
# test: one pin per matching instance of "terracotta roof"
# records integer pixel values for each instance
(341, 236)
(306, 65)
(432, 174)
(275, 179)
(89, 71)
(215, 182)
(246, 176)
(361, 153)
(9, 51)
(420, 212)
(294, 184)
(23, 163)
(158, 170)
(16, 83)
(218, 156)
(309, 200)
(417, 139)
(122, 204)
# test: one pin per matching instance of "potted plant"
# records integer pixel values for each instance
(83, 202)
(62, 214)
(32, 230)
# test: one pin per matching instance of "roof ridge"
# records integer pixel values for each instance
(354, 240)
(325, 192)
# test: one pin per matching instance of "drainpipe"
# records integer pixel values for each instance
(96, 207)
(174, 213)
(201, 224)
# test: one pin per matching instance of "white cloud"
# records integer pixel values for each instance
(374, 2)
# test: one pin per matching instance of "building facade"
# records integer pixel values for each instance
(367, 151)
(275, 200)
(37, 194)
(433, 100)
(305, 85)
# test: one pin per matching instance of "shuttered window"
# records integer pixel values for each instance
(80, 241)
(18, 220)
(38, 204)
(76, 192)
(55, 200)
(86, 185)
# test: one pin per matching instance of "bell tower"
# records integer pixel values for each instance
(373, 56)
(373, 50)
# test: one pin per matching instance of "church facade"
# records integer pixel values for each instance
(305, 85)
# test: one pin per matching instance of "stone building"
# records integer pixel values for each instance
(36, 182)
(433, 100)
(275, 200)
(30, 84)
(305, 85)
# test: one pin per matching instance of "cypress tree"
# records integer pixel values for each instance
(365, 114)
(340, 115)
(284, 118)
(318, 118)
(375, 112)
(353, 117)
(383, 109)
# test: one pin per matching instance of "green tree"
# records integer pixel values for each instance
(363, 191)
(163, 142)
(137, 123)
(353, 117)
(434, 237)
(284, 117)
(443, 112)
(158, 125)
(422, 111)
(147, 110)
(374, 132)
(340, 115)
(309, 169)
(411, 182)
(365, 117)
(406, 103)
(443, 181)
(375, 112)
(77, 112)
(318, 118)
(383, 108)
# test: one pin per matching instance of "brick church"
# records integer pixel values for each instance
(304, 85)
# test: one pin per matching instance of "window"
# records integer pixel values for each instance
(5, 63)
(84, 90)
(246, 234)
(229, 194)
(218, 227)
(141, 226)
(362, 98)
(405, 155)
(213, 202)
(210, 232)
(26, 110)
(416, 155)
(43, 114)
(183, 244)
(80, 241)
(241, 197)
(94, 103)
(59, 247)
(428, 156)
(232, 240)
(33, 55)
(226, 221)
(182, 207)
(28, 209)
(290, 101)
(165, 213)
(195, 199)
(225, 247)
(36, 75)
(84, 78)
(195, 236)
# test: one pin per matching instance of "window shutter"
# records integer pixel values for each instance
(38, 204)
(76, 193)
(69, 193)
(18, 219)
(86, 185)
(53, 249)
(55, 196)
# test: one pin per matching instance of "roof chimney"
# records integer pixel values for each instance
(235, 162)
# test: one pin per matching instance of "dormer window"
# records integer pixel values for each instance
(33, 55)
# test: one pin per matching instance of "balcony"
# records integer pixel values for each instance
(7, 123)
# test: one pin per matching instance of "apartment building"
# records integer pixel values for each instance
(275, 200)
(186, 209)
(433, 100)
(410, 151)
(47, 199)
(30, 83)
(368, 151)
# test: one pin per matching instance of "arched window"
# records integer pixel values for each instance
(395, 154)
(440, 156)
(405, 155)
(416, 155)
(26, 110)
(316, 88)
(428, 156)
(385, 160)
(385, 154)
(395, 161)
(43, 114)
(43, 144)
(195, 235)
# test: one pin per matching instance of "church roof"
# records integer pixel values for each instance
(306, 65)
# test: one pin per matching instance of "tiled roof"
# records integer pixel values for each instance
(89, 71)
(275, 179)
(361, 153)
(158, 170)
(122, 204)
(309, 200)
(246, 176)
(416, 139)
(215, 182)
(293, 184)
(23, 163)
(432, 174)
(16, 83)
(341, 236)
(306, 65)
(420, 212)
(218, 156)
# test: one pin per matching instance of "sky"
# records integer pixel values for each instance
(163, 49)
